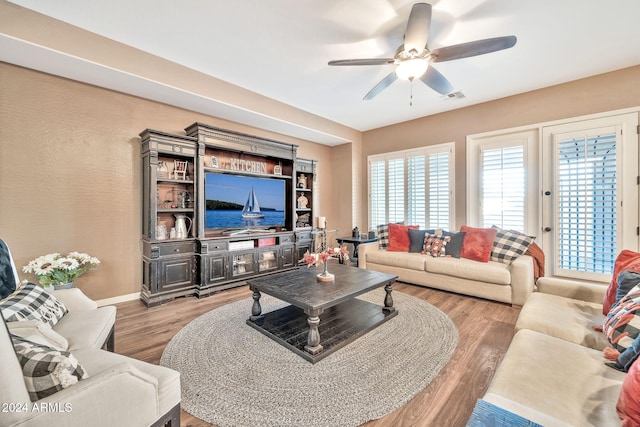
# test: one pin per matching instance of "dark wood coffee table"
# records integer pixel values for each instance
(323, 316)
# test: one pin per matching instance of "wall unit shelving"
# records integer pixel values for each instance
(178, 173)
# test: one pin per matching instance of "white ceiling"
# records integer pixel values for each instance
(280, 48)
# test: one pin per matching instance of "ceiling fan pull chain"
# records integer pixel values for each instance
(411, 93)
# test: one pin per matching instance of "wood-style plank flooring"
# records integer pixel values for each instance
(485, 329)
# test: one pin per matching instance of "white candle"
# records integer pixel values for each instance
(321, 222)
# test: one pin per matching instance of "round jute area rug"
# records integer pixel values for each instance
(232, 375)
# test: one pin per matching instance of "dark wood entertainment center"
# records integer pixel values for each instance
(184, 255)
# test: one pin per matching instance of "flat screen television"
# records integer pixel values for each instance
(238, 201)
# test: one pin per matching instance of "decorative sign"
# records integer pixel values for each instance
(248, 166)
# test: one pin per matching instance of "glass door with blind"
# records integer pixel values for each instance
(589, 204)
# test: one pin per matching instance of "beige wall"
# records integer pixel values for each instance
(605, 92)
(70, 161)
(70, 172)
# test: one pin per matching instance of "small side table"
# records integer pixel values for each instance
(355, 241)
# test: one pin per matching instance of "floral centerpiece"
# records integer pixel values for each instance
(321, 258)
(60, 271)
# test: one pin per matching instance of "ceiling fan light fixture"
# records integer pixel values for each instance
(412, 68)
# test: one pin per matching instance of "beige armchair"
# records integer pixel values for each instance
(119, 391)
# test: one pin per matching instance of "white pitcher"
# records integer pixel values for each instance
(182, 230)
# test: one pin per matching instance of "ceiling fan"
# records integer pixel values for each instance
(413, 58)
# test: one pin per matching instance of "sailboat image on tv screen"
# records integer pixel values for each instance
(251, 208)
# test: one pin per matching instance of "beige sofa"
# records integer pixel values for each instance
(508, 283)
(554, 371)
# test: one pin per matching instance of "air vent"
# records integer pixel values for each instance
(454, 95)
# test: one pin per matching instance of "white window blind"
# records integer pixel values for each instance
(586, 203)
(439, 191)
(503, 187)
(396, 186)
(413, 186)
(416, 190)
(378, 188)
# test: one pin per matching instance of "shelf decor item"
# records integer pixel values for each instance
(61, 271)
(180, 169)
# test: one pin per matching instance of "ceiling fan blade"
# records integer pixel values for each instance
(384, 83)
(418, 25)
(365, 61)
(478, 47)
(436, 81)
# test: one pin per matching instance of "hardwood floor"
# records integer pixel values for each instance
(485, 329)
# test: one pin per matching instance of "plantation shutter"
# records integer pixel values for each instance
(439, 190)
(416, 191)
(378, 196)
(586, 202)
(396, 190)
(503, 187)
(413, 186)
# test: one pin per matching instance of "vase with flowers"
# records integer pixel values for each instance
(60, 271)
(321, 258)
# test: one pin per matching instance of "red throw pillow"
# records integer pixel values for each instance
(628, 406)
(626, 260)
(399, 237)
(477, 243)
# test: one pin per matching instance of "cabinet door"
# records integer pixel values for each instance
(214, 268)
(288, 256)
(267, 260)
(175, 272)
(243, 263)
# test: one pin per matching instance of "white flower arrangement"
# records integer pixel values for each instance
(55, 269)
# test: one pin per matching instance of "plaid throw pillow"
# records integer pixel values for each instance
(31, 302)
(508, 245)
(435, 245)
(46, 370)
(382, 232)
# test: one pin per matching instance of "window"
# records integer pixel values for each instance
(503, 187)
(501, 181)
(413, 186)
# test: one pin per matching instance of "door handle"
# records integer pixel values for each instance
(547, 229)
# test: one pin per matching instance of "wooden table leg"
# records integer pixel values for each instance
(313, 338)
(256, 309)
(388, 299)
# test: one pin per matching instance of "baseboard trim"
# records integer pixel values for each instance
(118, 299)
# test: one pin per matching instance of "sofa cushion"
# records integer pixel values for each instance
(508, 245)
(622, 325)
(8, 275)
(407, 260)
(435, 245)
(95, 361)
(563, 380)
(382, 233)
(478, 243)
(455, 245)
(416, 240)
(626, 281)
(399, 237)
(31, 302)
(45, 369)
(626, 260)
(87, 328)
(628, 405)
(490, 272)
(38, 332)
(569, 319)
